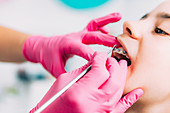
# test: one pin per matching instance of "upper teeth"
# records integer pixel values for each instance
(120, 50)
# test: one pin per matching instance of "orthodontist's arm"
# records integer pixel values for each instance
(11, 43)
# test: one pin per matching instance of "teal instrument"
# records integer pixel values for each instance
(83, 4)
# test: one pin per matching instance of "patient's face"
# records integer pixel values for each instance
(147, 43)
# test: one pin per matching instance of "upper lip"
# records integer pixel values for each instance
(123, 45)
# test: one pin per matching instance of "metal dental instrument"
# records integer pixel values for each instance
(39, 110)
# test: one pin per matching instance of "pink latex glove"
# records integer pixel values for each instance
(99, 91)
(53, 52)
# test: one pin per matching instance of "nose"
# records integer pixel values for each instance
(132, 28)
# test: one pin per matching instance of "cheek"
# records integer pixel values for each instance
(151, 71)
(152, 76)
(156, 86)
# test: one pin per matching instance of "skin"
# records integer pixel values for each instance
(147, 42)
(11, 45)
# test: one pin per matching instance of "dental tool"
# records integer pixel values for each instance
(39, 110)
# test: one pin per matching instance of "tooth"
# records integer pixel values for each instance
(120, 50)
(124, 52)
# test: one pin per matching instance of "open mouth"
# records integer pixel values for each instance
(120, 53)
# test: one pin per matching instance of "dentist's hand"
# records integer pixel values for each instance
(53, 52)
(99, 91)
(116, 83)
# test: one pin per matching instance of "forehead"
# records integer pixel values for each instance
(163, 7)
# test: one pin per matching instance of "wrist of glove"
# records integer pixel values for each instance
(46, 51)
(35, 47)
(29, 48)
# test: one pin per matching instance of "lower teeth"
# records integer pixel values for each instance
(120, 53)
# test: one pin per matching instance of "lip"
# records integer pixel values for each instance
(124, 46)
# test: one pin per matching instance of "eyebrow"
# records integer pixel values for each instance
(162, 15)
(145, 16)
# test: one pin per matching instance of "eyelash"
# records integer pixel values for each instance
(160, 31)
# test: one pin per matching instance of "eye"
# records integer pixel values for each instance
(160, 31)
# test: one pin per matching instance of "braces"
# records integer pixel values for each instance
(115, 48)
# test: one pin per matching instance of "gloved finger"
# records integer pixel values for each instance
(104, 29)
(123, 66)
(100, 22)
(128, 100)
(116, 82)
(79, 49)
(98, 73)
(122, 79)
(109, 86)
(100, 38)
(99, 60)
(57, 70)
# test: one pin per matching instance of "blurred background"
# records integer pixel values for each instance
(22, 86)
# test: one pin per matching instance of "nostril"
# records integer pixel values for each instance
(129, 31)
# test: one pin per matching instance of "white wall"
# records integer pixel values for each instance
(51, 17)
